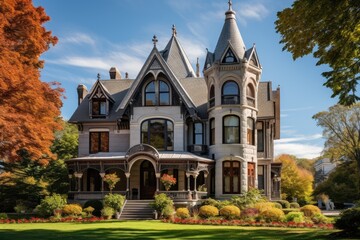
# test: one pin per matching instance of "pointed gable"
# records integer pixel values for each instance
(229, 56)
(252, 56)
(100, 91)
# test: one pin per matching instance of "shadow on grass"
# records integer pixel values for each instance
(131, 233)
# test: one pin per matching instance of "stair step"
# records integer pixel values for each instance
(137, 209)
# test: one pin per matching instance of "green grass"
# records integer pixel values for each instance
(150, 230)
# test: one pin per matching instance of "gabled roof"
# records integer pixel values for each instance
(155, 63)
(230, 34)
(177, 60)
(251, 54)
(94, 91)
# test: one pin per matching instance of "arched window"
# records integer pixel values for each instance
(212, 96)
(231, 177)
(212, 131)
(250, 131)
(231, 129)
(157, 93)
(250, 95)
(158, 133)
(230, 93)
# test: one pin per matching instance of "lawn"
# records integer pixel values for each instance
(150, 230)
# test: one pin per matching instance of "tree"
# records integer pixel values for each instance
(296, 182)
(65, 145)
(29, 108)
(111, 179)
(341, 128)
(331, 31)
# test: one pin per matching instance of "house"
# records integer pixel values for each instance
(323, 167)
(215, 134)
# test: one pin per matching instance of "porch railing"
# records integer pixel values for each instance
(184, 195)
(85, 195)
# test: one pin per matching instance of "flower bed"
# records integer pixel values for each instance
(247, 223)
(52, 220)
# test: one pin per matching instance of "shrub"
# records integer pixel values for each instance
(230, 212)
(49, 204)
(72, 209)
(277, 205)
(115, 201)
(3, 216)
(272, 215)
(107, 212)
(210, 202)
(294, 205)
(224, 203)
(182, 213)
(89, 210)
(161, 202)
(297, 217)
(208, 211)
(349, 220)
(310, 210)
(96, 204)
(284, 203)
(261, 206)
(20, 208)
(319, 218)
(168, 211)
(248, 199)
(249, 213)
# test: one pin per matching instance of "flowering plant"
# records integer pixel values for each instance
(168, 181)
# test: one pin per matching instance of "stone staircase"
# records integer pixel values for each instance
(137, 209)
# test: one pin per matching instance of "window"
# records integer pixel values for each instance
(260, 136)
(99, 142)
(212, 131)
(251, 175)
(261, 177)
(250, 95)
(250, 131)
(229, 57)
(158, 133)
(157, 93)
(231, 177)
(230, 93)
(231, 129)
(212, 96)
(99, 108)
(198, 133)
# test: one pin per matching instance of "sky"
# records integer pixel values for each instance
(95, 35)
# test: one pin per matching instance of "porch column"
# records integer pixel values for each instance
(188, 183)
(102, 175)
(78, 176)
(127, 175)
(195, 190)
(70, 177)
(205, 180)
(157, 181)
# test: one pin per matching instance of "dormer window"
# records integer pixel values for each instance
(157, 93)
(229, 57)
(100, 102)
(99, 107)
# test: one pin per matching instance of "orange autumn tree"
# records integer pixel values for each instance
(29, 108)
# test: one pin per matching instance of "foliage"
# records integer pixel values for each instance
(208, 211)
(96, 204)
(230, 212)
(65, 145)
(168, 211)
(3, 216)
(107, 212)
(310, 210)
(249, 213)
(248, 198)
(167, 180)
(320, 218)
(341, 129)
(342, 185)
(349, 220)
(296, 182)
(261, 206)
(331, 31)
(115, 201)
(20, 208)
(182, 213)
(277, 205)
(29, 108)
(284, 203)
(294, 205)
(72, 209)
(272, 215)
(111, 179)
(161, 201)
(50, 203)
(297, 217)
(29, 181)
(89, 210)
(202, 188)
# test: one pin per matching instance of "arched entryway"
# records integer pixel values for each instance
(147, 180)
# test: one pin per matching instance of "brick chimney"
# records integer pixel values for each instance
(82, 92)
(114, 73)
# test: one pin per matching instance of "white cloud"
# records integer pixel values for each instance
(300, 139)
(78, 38)
(85, 62)
(251, 11)
(298, 149)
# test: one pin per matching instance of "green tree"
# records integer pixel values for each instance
(342, 184)
(341, 128)
(296, 182)
(65, 145)
(111, 179)
(331, 31)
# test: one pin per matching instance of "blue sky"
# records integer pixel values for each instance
(95, 35)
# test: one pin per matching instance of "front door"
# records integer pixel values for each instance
(147, 180)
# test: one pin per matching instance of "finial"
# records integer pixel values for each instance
(197, 68)
(155, 40)
(98, 76)
(174, 30)
(230, 5)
